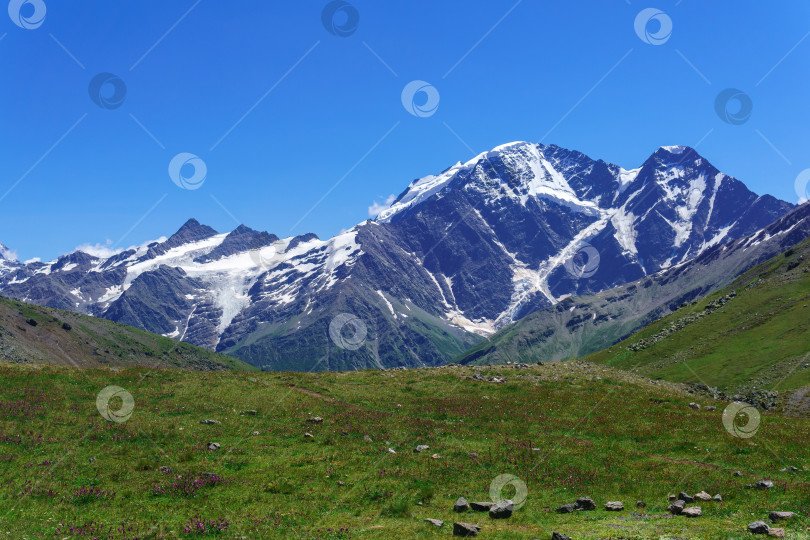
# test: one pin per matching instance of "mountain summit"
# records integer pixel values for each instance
(457, 255)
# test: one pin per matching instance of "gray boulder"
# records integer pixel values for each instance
(566, 509)
(482, 506)
(461, 505)
(684, 497)
(692, 512)
(677, 507)
(465, 529)
(436, 522)
(780, 516)
(502, 509)
(421, 448)
(758, 527)
(559, 536)
(585, 503)
(209, 422)
(614, 506)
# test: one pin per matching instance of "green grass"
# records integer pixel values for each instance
(599, 431)
(760, 337)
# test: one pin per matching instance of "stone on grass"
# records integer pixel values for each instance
(461, 505)
(684, 497)
(315, 420)
(677, 507)
(737, 473)
(502, 509)
(718, 498)
(776, 532)
(483, 506)
(585, 503)
(421, 448)
(780, 516)
(213, 446)
(251, 412)
(367, 438)
(559, 536)
(436, 456)
(711, 408)
(210, 422)
(566, 509)
(694, 405)
(392, 451)
(758, 527)
(762, 484)
(692, 512)
(465, 529)
(309, 435)
(672, 497)
(703, 496)
(436, 522)
(614, 506)
(641, 504)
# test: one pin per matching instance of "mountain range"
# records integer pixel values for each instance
(456, 257)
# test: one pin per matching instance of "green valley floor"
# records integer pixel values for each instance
(332, 455)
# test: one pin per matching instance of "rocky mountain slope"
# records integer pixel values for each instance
(457, 256)
(579, 326)
(31, 334)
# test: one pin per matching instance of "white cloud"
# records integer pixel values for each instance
(99, 250)
(7, 254)
(376, 207)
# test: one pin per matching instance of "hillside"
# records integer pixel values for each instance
(752, 335)
(582, 325)
(40, 335)
(565, 430)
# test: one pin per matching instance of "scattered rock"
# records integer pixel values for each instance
(461, 505)
(718, 498)
(213, 446)
(737, 473)
(315, 420)
(585, 503)
(250, 412)
(66, 326)
(566, 509)
(677, 507)
(436, 522)
(672, 497)
(309, 435)
(758, 527)
(692, 512)
(559, 536)
(436, 456)
(341, 483)
(421, 448)
(32, 322)
(710, 408)
(255, 432)
(465, 529)
(473, 455)
(703, 496)
(780, 516)
(91, 460)
(762, 484)
(694, 405)
(614, 506)
(210, 422)
(776, 532)
(641, 504)
(392, 451)
(481, 506)
(502, 509)
(164, 469)
(684, 497)
(367, 438)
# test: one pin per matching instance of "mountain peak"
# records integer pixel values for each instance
(191, 231)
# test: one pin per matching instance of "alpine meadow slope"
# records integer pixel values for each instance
(456, 257)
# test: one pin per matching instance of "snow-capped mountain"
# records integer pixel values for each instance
(456, 256)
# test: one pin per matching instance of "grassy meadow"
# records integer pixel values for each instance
(565, 430)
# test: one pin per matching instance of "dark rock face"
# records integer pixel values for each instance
(457, 256)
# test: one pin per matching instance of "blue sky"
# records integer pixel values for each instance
(323, 112)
